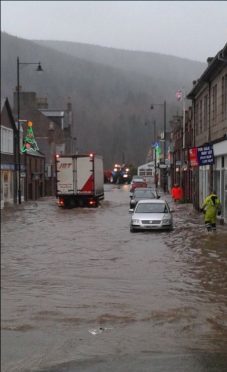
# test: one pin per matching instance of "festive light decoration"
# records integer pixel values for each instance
(29, 142)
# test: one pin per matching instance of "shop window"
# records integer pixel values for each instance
(225, 196)
(6, 185)
(2, 187)
(224, 97)
(11, 184)
(6, 140)
(217, 182)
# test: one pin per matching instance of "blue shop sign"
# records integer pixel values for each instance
(7, 166)
(205, 155)
(12, 167)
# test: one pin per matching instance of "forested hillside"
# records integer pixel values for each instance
(111, 90)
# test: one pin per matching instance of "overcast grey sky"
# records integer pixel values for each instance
(188, 29)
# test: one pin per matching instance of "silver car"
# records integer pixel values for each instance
(152, 214)
(142, 193)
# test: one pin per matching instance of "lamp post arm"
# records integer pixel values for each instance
(28, 63)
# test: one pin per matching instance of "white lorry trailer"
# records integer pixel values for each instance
(80, 180)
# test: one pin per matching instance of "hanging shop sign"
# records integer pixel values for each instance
(203, 155)
(206, 155)
(193, 157)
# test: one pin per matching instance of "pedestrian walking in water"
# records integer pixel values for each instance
(211, 208)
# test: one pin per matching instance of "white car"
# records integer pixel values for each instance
(152, 214)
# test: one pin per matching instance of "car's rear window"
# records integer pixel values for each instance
(151, 208)
(145, 194)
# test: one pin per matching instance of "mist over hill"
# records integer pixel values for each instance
(111, 90)
(157, 66)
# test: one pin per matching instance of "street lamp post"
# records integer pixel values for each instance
(164, 138)
(39, 68)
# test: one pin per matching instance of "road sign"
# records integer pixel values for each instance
(162, 166)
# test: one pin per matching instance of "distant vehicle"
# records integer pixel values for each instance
(137, 182)
(79, 180)
(142, 193)
(151, 215)
(121, 174)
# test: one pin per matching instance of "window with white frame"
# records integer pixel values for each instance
(6, 140)
(224, 97)
(200, 116)
(205, 107)
(197, 118)
(214, 103)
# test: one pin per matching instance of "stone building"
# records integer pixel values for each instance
(209, 105)
(180, 169)
(48, 134)
(8, 155)
(35, 175)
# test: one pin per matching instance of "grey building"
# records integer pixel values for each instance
(48, 134)
(209, 103)
(8, 155)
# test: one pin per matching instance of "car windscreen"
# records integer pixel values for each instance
(135, 182)
(151, 208)
(144, 194)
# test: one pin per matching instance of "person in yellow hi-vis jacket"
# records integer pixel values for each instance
(211, 207)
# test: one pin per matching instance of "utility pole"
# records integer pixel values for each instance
(164, 170)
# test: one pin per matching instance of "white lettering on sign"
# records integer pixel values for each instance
(65, 165)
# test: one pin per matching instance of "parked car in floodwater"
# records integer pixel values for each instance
(137, 182)
(142, 193)
(152, 214)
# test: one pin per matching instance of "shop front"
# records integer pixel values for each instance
(220, 174)
(7, 184)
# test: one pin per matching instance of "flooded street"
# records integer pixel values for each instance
(82, 293)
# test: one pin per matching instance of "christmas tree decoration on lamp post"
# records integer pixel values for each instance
(29, 142)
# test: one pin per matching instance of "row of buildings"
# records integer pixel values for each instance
(28, 153)
(197, 142)
(198, 145)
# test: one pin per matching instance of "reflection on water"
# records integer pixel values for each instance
(65, 272)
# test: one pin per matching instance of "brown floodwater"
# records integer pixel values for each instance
(82, 293)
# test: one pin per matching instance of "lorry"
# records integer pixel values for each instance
(80, 180)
